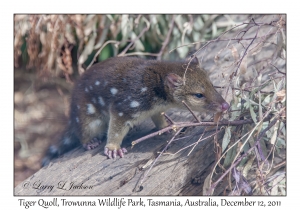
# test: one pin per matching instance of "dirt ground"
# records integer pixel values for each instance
(40, 114)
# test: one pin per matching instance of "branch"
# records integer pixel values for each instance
(278, 69)
(160, 154)
(188, 124)
(191, 111)
(167, 38)
(98, 52)
(136, 38)
(246, 50)
(244, 155)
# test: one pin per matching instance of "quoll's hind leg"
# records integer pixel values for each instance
(92, 144)
(117, 129)
(93, 131)
(159, 121)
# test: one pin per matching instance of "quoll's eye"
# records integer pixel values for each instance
(199, 95)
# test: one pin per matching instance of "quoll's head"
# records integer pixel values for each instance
(197, 90)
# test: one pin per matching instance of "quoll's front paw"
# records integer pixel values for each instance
(113, 153)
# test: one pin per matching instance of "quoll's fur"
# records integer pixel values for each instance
(120, 92)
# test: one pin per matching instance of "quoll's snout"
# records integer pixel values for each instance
(225, 106)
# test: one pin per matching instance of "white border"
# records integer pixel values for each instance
(153, 6)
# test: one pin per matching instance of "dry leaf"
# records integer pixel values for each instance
(256, 49)
(244, 66)
(277, 52)
(226, 138)
(217, 117)
(276, 185)
(273, 139)
(230, 156)
(87, 50)
(280, 96)
(207, 186)
(248, 166)
(234, 53)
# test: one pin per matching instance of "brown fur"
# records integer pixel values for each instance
(116, 94)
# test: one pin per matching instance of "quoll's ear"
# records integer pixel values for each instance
(173, 81)
(191, 56)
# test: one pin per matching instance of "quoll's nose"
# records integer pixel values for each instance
(225, 106)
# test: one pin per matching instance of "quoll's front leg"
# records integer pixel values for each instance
(117, 130)
(159, 121)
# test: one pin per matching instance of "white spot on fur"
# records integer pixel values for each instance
(90, 109)
(101, 101)
(94, 100)
(120, 114)
(67, 140)
(77, 119)
(95, 124)
(78, 106)
(53, 149)
(86, 90)
(129, 97)
(113, 91)
(144, 89)
(91, 87)
(116, 135)
(97, 83)
(134, 104)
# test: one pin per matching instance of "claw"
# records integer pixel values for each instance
(92, 144)
(106, 151)
(109, 154)
(114, 153)
(120, 153)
